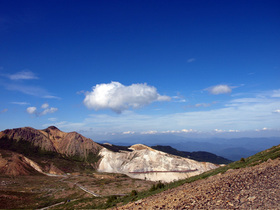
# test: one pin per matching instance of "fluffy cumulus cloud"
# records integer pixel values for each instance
(45, 107)
(219, 89)
(31, 110)
(118, 97)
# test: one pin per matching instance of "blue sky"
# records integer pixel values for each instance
(112, 68)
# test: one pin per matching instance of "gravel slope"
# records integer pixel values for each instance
(256, 187)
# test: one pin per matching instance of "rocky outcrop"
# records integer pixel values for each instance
(14, 164)
(36, 137)
(256, 187)
(146, 163)
(54, 140)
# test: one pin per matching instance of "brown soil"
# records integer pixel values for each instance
(34, 192)
(14, 164)
(256, 187)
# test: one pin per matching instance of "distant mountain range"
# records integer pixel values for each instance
(231, 149)
(198, 156)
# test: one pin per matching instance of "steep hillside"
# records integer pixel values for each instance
(52, 150)
(198, 156)
(14, 164)
(257, 187)
(251, 183)
(144, 162)
(53, 140)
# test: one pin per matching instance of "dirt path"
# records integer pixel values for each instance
(88, 191)
(64, 180)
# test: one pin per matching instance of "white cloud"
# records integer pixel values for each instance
(188, 130)
(149, 132)
(179, 99)
(235, 117)
(31, 110)
(128, 132)
(233, 131)
(22, 75)
(53, 119)
(45, 105)
(219, 89)
(29, 90)
(20, 103)
(51, 97)
(118, 97)
(276, 111)
(49, 111)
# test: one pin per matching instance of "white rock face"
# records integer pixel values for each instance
(147, 163)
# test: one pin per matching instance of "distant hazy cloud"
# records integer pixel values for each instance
(203, 105)
(53, 119)
(4, 110)
(118, 97)
(128, 132)
(20, 103)
(179, 99)
(49, 111)
(190, 60)
(276, 93)
(31, 110)
(22, 75)
(45, 105)
(20, 82)
(219, 89)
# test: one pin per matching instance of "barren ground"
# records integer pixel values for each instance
(40, 191)
(256, 187)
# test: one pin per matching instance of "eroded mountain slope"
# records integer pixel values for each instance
(146, 163)
(54, 140)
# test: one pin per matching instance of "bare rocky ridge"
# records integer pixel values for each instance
(54, 140)
(144, 162)
(256, 187)
(15, 164)
(139, 161)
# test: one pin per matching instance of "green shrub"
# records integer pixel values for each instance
(133, 193)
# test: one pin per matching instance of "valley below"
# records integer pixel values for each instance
(90, 190)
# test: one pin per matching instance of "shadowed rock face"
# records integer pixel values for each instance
(31, 135)
(146, 163)
(54, 140)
